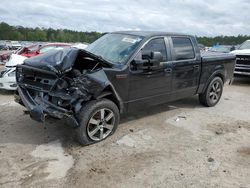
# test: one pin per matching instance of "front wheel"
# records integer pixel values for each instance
(98, 120)
(213, 92)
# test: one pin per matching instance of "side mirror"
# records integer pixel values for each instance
(150, 60)
(157, 56)
(152, 56)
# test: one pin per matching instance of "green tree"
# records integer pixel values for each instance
(8, 32)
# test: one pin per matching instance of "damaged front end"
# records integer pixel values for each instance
(59, 83)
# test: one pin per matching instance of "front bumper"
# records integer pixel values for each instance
(242, 66)
(8, 83)
(44, 93)
(242, 70)
(39, 108)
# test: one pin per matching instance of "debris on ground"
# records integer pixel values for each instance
(210, 159)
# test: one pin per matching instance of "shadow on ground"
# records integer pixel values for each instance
(6, 92)
(18, 127)
(241, 80)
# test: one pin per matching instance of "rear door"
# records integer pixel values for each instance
(186, 67)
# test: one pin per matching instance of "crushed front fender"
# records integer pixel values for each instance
(44, 93)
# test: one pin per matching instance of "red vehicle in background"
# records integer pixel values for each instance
(8, 74)
(5, 52)
(4, 55)
(35, 50)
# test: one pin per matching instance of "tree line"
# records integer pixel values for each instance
(19, 33)
(223, 40)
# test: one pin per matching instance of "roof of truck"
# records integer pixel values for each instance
(151, 33)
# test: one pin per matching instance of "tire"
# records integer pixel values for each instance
(98, 120)
(213, 92)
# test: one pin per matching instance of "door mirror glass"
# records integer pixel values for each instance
(149, 60)
(151, 55)
(157, 57)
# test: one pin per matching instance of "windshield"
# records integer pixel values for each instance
(245, 45)
(116, 48)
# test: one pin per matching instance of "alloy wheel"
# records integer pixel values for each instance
(101, 124)
(215, 92)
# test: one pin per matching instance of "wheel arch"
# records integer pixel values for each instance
(218, 73)
(110, 93)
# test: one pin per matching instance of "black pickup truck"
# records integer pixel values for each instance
(119, 72)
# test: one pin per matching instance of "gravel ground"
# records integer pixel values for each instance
(179, 144)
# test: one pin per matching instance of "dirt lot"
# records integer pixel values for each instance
(180, 144)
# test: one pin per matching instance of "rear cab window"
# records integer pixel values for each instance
(183, 48)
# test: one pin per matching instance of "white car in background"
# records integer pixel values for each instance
(242, 66)
(8, 74)
(80, 45)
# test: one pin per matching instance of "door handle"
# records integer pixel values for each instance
(196, 66)
(168, 70)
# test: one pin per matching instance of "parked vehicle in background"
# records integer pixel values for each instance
(242, 59)
(201, 47)
(35, 50)
(119, 72)
(7, 49)
(8, 75)
(3, 47)
(5, 55)
(222, 48)
(80, 45)
(14, 45)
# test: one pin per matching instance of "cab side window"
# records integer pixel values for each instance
(156, 45)
(183, 48)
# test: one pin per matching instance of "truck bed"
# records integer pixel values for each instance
(212, 56)
(216, 63)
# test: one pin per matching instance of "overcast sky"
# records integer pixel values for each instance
(199, 17)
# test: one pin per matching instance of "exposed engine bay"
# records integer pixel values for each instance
(58, 84)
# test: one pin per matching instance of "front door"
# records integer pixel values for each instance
(150, 86)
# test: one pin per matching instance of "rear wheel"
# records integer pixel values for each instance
(98, 120)
(213, 92)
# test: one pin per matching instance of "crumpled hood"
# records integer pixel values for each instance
(58, 61)
(241, 52)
